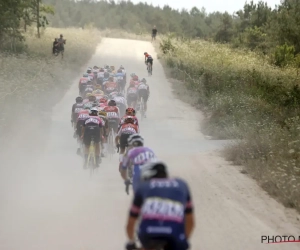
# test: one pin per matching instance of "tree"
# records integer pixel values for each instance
(35, 12)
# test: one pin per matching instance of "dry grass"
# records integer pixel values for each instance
(245, 97)
(36, 79)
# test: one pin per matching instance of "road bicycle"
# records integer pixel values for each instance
(91, 160)
(149, 68)
(142, 108)
(110, 139)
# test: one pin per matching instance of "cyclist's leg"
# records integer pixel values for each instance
(145, 97)
(123, 145)
(87, 142)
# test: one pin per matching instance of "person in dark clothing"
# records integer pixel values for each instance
(54, 45)
(154, 32)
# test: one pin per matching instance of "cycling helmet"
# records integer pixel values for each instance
(89, 70)
(106, 67)
(87, 106)
(103, 100)
(112, 103)
(94, 111)
(102, 113)
(130, 111)
(129, 119)
(79, 99)
(135, 140)
(97, 92)
(85, 75)
(154, 169)
(95, 67)
(144, 80)
(92, 97)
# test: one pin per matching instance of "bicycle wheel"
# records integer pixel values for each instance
(110, 143)
(91, 161)
(142, 108)
(149, 69)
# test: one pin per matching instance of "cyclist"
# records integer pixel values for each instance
(103, 102)
(102, 115)
(82, 115)
(137, 155)
(148, 59)
(132, 95)
(76, 108)
(92, 128)
(83, 82)
(88, 90)
(100, 76)
(143, 92)
(127, 129)
(112, 114)
(121, 103)
(129, 112)
(165, 208)
(110, 86)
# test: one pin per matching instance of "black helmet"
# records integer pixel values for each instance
(112, 103)
(154, 169)
(79, 99)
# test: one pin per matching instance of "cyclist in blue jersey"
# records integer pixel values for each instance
(165, 208)
(136, 157)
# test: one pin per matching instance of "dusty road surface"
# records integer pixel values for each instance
(48, 202)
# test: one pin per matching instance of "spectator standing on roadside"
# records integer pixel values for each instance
(61, 44)
(154, 32)
(54, 45)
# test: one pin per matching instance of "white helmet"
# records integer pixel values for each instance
(93, 110)
(135, 140)
(152, 168)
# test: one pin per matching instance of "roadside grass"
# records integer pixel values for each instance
(33, 81)
(244, 97)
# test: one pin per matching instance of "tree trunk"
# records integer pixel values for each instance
(38, 18)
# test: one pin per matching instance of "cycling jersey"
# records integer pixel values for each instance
(112, 112)
(83, 80)
(110, 86)
(136, 121)
(143, 86)
(131, 91)
(92, 125)
(135, 159)
(162, 205)
(76, 108)
(120, 100)
(125, 131)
